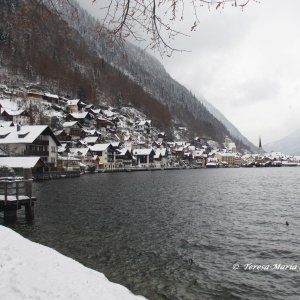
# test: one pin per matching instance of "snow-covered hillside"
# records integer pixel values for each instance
(32, 271)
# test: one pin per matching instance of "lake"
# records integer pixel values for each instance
(178, 234)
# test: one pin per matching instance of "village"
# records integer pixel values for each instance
(49, 134)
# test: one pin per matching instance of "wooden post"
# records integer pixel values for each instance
(5, 192)
(28, 182)
(29, 208)
(29, 211)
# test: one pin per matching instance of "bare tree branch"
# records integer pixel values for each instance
(155, 19)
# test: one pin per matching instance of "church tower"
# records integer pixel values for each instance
(260, 149)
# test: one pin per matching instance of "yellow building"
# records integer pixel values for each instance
(228, 158)
(73, 105)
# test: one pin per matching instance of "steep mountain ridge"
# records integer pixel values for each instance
(68, 55)
(231, 128)
(289, 145)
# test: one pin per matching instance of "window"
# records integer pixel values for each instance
(53, 149)
(22, 135)
(2, 136)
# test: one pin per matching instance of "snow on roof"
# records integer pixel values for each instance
(61, 149)
(141, 123)
(70, 124)
(108, 113)
(5, 124)
(115, 144)
(19, 162)
(79, 151)
(179, 149)
(68, 158)
(226, 154)
(91, 131)
(15, 112)
(123, 151)
(198, 153)
(26, 135)
(73, 102)
(79, 115)
(162, 151)
(142, 151)
(91, 139)
(58, 132)
(99, 147)
(8, 104)
(96, 111)
(105, 120)
(51, 96)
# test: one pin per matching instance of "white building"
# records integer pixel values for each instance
(30, 141)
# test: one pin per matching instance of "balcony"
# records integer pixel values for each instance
(36, 153)
(41, 142)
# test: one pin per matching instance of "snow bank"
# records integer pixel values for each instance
(32, 271)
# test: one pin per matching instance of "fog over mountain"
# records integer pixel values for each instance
(289, 145)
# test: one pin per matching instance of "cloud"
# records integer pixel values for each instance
(246, 64)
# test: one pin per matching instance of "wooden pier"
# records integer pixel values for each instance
(16, 192)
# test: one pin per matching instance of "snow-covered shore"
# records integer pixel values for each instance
(32, 271)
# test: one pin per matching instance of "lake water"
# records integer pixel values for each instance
(177, 234)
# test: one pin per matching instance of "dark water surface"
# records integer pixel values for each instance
(177, 234)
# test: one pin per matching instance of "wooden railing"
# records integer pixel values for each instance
(15, 187)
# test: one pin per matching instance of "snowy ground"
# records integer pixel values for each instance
(31, 271)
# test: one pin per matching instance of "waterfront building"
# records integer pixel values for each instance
(37, 140)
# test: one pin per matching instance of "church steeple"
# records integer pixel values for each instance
(260, 149)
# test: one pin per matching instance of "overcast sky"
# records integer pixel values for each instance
(247, 64)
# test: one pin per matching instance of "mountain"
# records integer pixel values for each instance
(231, 128)
(289, 145)
(66, 54)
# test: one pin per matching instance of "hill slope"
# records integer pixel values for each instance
(68, 55)
(289, 145)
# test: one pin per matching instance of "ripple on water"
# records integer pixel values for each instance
(176, 235)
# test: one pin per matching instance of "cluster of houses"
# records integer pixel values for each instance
(86, 137)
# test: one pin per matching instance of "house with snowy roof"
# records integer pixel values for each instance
(94, 112)
(84, 154)
(92, 140)
(161, 157)
(18, 164)
(143, 126)
(74, 128)
(35, 94)
(83, 118)
(62, 136)
(28, 140)
(90, 132)
(72, 105)
(103, 124)
(106, 154)
(68, 163)
(144, 157)
(19, 116)
(51, 98)
(124, 158)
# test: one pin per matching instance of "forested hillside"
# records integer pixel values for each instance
(65, 53)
